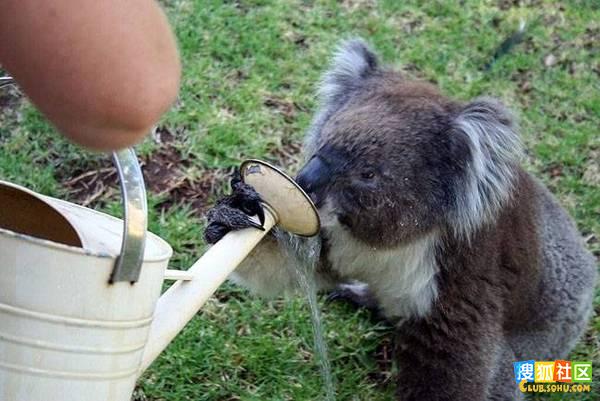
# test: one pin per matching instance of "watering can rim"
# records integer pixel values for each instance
(308, 229)
(73, 249)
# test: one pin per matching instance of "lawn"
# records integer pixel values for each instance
(250, 73)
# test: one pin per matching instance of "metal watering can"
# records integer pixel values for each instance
(81, 311)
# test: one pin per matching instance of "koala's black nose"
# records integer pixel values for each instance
(313, 177)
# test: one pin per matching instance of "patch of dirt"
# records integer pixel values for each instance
(591, 37)
(554, 170)
(591, 175)
(176, 178)
(285, 107)
(408, 21)
(296, 38)
(93, 185)
(412, 71)
(10, 100)
(165, 173)
(194, 192)
(353, 5)
(508, 4)
(288, 156)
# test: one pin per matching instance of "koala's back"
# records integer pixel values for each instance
(562, 302)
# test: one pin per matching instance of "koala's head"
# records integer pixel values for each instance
(392, 159)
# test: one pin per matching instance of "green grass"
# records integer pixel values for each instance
(250, 72)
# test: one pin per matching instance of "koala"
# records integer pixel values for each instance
(427, 216)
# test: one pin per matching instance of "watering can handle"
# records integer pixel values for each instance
(135, 217)
(128, 264)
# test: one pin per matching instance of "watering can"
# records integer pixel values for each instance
(81, 311)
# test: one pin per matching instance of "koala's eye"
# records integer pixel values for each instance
(368, 174)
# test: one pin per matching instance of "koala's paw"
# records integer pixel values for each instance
(357, 294)
(233, 212)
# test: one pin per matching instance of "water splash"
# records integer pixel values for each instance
(306, 251)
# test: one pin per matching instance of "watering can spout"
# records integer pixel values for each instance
(285, 204)
(178, 305)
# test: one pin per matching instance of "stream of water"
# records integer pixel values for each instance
(306, 252)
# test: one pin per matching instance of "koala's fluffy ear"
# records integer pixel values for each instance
(486, 132)
(353, 62)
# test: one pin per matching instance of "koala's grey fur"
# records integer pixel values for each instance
(422, 199)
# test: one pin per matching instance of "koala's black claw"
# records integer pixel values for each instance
(332, 296)
(246, 222)
(253, 207)
(342, 294)
(355, 294)
(260, 213)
